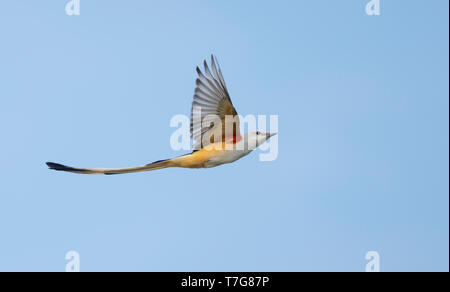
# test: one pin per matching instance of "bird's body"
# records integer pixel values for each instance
(209, 157)
(218, 139)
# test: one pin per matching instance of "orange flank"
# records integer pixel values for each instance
(199, 159)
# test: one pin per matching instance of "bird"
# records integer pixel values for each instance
(214, 129)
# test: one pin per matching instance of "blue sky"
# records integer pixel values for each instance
(363, 136)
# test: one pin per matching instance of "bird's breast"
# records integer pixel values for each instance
(223, 157)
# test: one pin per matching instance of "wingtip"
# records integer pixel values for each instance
(214, 58)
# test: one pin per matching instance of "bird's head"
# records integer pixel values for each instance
(258, 137)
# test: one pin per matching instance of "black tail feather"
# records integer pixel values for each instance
(60, 167)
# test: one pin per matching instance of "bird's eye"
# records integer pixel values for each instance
(258, 133)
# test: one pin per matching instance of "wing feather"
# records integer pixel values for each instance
(211, 98)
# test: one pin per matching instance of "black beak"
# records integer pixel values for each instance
(268, 135)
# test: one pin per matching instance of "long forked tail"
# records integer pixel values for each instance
(152, 166)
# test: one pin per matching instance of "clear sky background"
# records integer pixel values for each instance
(363, 105)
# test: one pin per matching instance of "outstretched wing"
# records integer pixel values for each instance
(213, 116)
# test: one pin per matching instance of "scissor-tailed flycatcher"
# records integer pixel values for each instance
(214, 130)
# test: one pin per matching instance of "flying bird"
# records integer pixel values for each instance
(214, 129)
